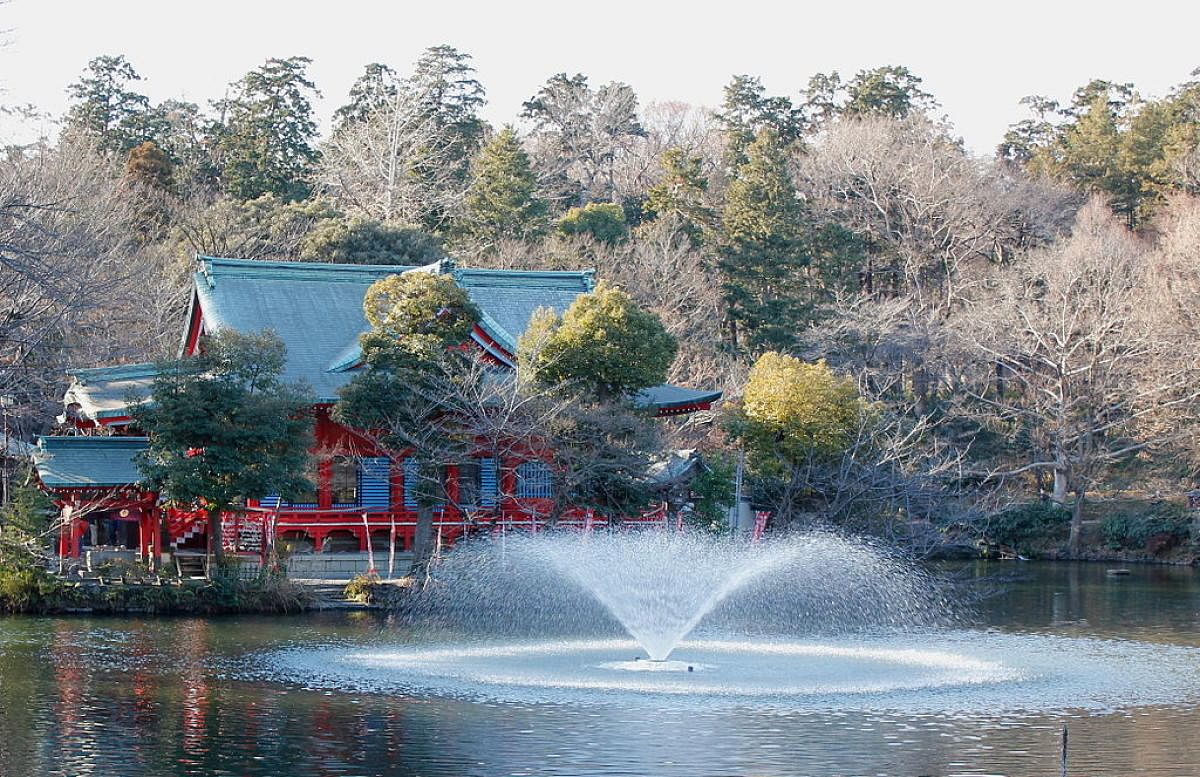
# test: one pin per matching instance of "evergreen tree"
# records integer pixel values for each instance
(444, 87)
(263, 141)
(681, 192)
(764, 250)
(402, 397)
(581, 132)
(891, 90)
(502, 201)
(106, 108)
(372, 90)
(224, 428)
(604, 221)
(366, 241)
(747, 110)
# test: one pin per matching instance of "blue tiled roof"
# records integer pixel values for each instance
(668, 397)
(104, 392)
(317, 308)
(79, 462)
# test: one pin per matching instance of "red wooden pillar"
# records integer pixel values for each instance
(156, 535)
(324, 483)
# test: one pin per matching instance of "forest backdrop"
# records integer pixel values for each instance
(911, 339)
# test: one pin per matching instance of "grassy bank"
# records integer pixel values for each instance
(27, 587)
(1126, 528)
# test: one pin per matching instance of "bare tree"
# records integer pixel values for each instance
(64, 247)
(933, 215)
(1078, 360)
(398, 163)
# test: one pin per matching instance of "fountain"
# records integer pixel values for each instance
(813, 621)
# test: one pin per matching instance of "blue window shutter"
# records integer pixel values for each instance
(374, 482)
(410, 480)
(487, 483)
(534, 480)
(270, 500)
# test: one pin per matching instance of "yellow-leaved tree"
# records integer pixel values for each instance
(796, 412)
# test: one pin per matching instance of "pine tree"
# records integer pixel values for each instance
(263, 142)
(680, 194)
(224, 428)
(747, 110)
(764, 250)
(502, 201)
(371, 91)
(107, 109)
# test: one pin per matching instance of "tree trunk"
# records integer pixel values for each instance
(216, 548)
(1061, 484)
(422, 544)
(1076, 539)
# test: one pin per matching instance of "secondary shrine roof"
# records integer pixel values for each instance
(104, 393)
(84, 462)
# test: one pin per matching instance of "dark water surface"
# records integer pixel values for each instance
(128, 697)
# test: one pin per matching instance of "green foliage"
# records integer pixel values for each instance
(30, 589)
(604, 221)
(747, 112)
(27, 589)
(1030, 528)
(29, 510)
(604, 343)
(224, 427)
(681, 192)
(417, 321)
(502, 201)
(795, 412)
(713, 492)
(371, 91)
(1163, 527)
(764, 250)
(444, 82)
(263, 142)
(417, 314)
(1112, 142)
(891, 90)
(361, 588)
(365, 241)
(105, 108)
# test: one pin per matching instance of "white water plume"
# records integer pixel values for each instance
(660, 585)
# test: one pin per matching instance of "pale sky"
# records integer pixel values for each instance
(977, 58)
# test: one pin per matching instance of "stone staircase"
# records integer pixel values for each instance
(191, 564)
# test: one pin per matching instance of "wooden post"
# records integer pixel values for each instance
(392, 548)
(370, 550)
(1063, 755)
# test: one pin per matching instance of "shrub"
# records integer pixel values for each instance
(1164, 527)
(27, 589)
(713, 492)
(361, 588)
(1030, 527)
(604, 221)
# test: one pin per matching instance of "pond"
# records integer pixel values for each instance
(136, 697)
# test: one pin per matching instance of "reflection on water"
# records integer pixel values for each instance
(167, 696)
